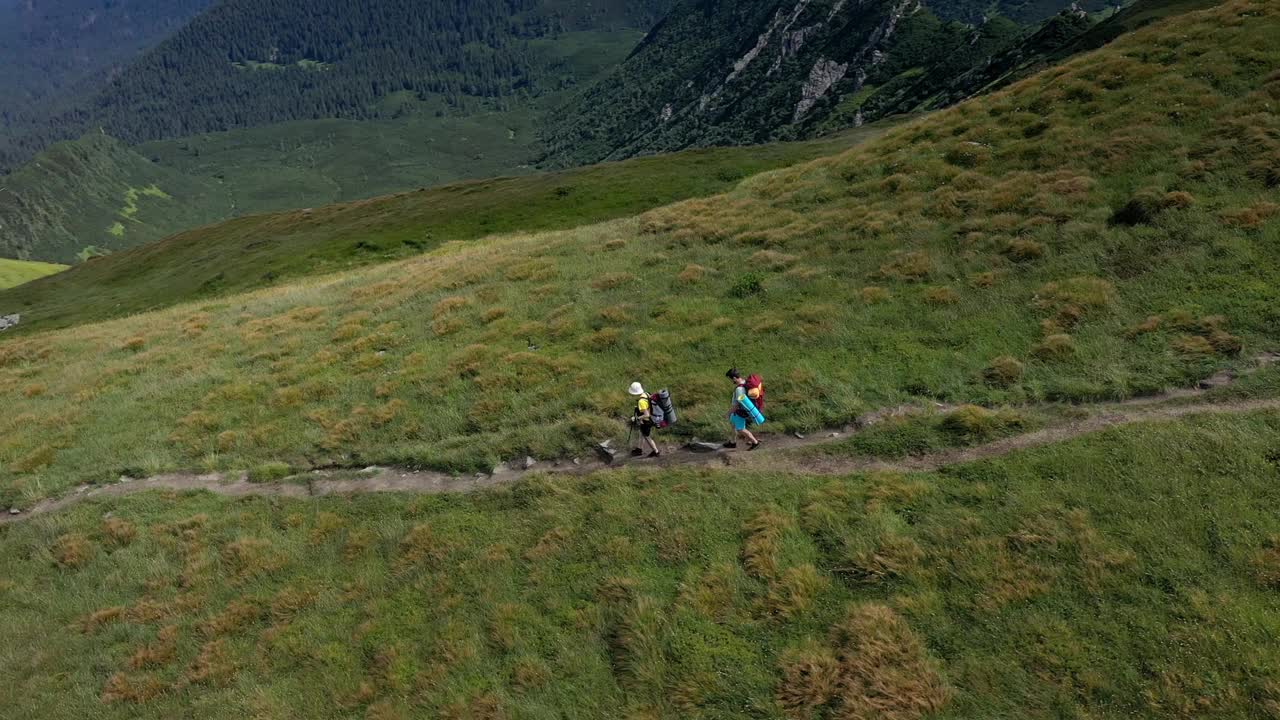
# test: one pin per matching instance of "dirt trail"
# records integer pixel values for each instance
(773, 456)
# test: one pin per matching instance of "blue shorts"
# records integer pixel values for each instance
(739, 422)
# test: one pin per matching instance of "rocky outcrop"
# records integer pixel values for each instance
(9, 321)
(825, 74)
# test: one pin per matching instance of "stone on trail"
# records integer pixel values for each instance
(702, 447)
(14, 511)
(798, 436)
(606, 453)
(528, 463)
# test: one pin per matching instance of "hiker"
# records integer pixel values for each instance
(643, 418)
(739, 416)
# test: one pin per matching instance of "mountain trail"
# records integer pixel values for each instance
(774, 456)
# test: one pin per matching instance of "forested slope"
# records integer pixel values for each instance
(55, 52)
(245, 63)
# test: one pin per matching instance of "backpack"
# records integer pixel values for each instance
(755, 391)
(661, 409)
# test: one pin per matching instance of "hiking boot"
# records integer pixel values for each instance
(655, 454)
(753, 447)
(730, 445)
(636, 452)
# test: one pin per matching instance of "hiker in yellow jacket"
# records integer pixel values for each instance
(643, 419)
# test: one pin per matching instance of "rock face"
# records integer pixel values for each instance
(8, 321)
(825, 74)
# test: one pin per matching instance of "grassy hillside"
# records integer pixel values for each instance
(256, 251)
(96, 195)
(1103, 230)
(17, 272)
(1131, 574)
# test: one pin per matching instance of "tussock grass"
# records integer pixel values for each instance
(476, 353)
(1029, 585)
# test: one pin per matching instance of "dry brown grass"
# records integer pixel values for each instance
(549, 545)
(941, 296)
(1004, 371)
(611, 281)
(872, 295)
(794, 592)
(875, 668)
(235, 617)
(1265, 563)
(907, 266)
(421, 547)
(133, 689)
(158, 653)
(1023, 250)
(249, 557)
(762, 542)
(1055, 347)
(692, 274)
(811, 676)
(118, 532)
(213, 665)
(72, 550)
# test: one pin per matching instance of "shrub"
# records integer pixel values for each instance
(1023, 250)
(747, 285)
(1265, 563)
(615, 245)
(941, 296)
(1004, 371)
(34, 390)
(1055, 347)
(134, 344)
(872, 295)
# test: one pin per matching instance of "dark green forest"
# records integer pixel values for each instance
(54, 54)
(245, 63)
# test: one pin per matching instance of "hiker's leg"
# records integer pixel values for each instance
(653, 446)
(750, 438)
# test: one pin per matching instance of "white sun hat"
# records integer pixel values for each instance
(636, 389)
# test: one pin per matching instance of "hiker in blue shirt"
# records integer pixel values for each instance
(738, 415)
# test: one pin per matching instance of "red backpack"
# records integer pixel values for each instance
(755, 383)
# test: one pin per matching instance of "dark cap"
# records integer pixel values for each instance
(733, 373)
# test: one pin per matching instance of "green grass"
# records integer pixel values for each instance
(1126, 574)
(17, 272)
(1108, 252)
(263, 250)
